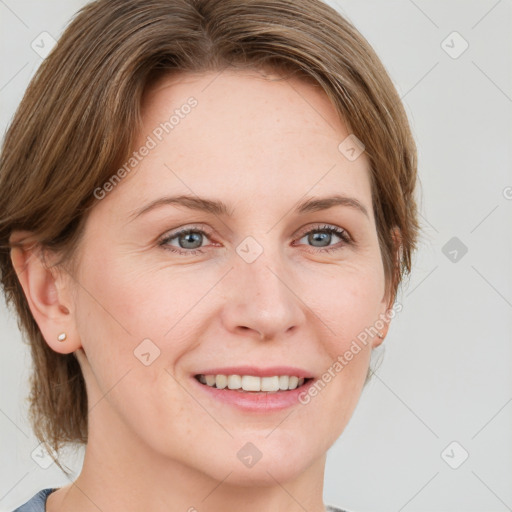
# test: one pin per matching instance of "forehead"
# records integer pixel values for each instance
(243, 136)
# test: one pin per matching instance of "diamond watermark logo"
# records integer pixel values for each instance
(146, 352)
(41, 456)
(249, 249)
(43, 44)
(454, 45)
(249, 455)
(351, 148)
(454, 249)
(454, 455)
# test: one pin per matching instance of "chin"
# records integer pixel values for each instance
(264, 473)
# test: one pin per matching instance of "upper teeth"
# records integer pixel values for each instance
(251, 382)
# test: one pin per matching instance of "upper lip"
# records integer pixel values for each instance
(270, 371)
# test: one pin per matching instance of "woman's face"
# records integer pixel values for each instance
(258, 289)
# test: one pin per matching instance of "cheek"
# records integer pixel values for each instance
(347, 299)
(134, 300)
(346, 304)
(349, 305)
(126, 309)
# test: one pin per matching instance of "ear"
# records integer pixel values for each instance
(389, 299)
(48, 293)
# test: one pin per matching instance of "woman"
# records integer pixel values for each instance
(209, 209)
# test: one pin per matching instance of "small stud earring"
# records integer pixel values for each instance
(62, 336)
(381, 336)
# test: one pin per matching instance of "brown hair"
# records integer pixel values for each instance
(76, 123)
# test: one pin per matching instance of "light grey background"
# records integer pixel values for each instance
(446, 374)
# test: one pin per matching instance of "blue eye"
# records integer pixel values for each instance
(324, 234)
(190, 240)
(186, 238)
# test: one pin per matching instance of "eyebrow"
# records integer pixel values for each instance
(220, 208)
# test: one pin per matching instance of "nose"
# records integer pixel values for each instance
(260, 299)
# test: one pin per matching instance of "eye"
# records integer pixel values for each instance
(322, 235)
(189, 241)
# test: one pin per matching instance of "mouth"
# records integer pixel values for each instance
(253, 384)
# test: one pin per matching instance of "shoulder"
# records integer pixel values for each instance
(37, 503)
(330, 508)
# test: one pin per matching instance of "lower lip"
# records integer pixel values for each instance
(256, 401)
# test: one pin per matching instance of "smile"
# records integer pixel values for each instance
(252, 383)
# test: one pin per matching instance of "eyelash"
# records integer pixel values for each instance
(341, 233)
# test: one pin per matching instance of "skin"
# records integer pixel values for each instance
(155, 442)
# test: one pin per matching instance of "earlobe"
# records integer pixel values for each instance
(382, 332)
(45, 291)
